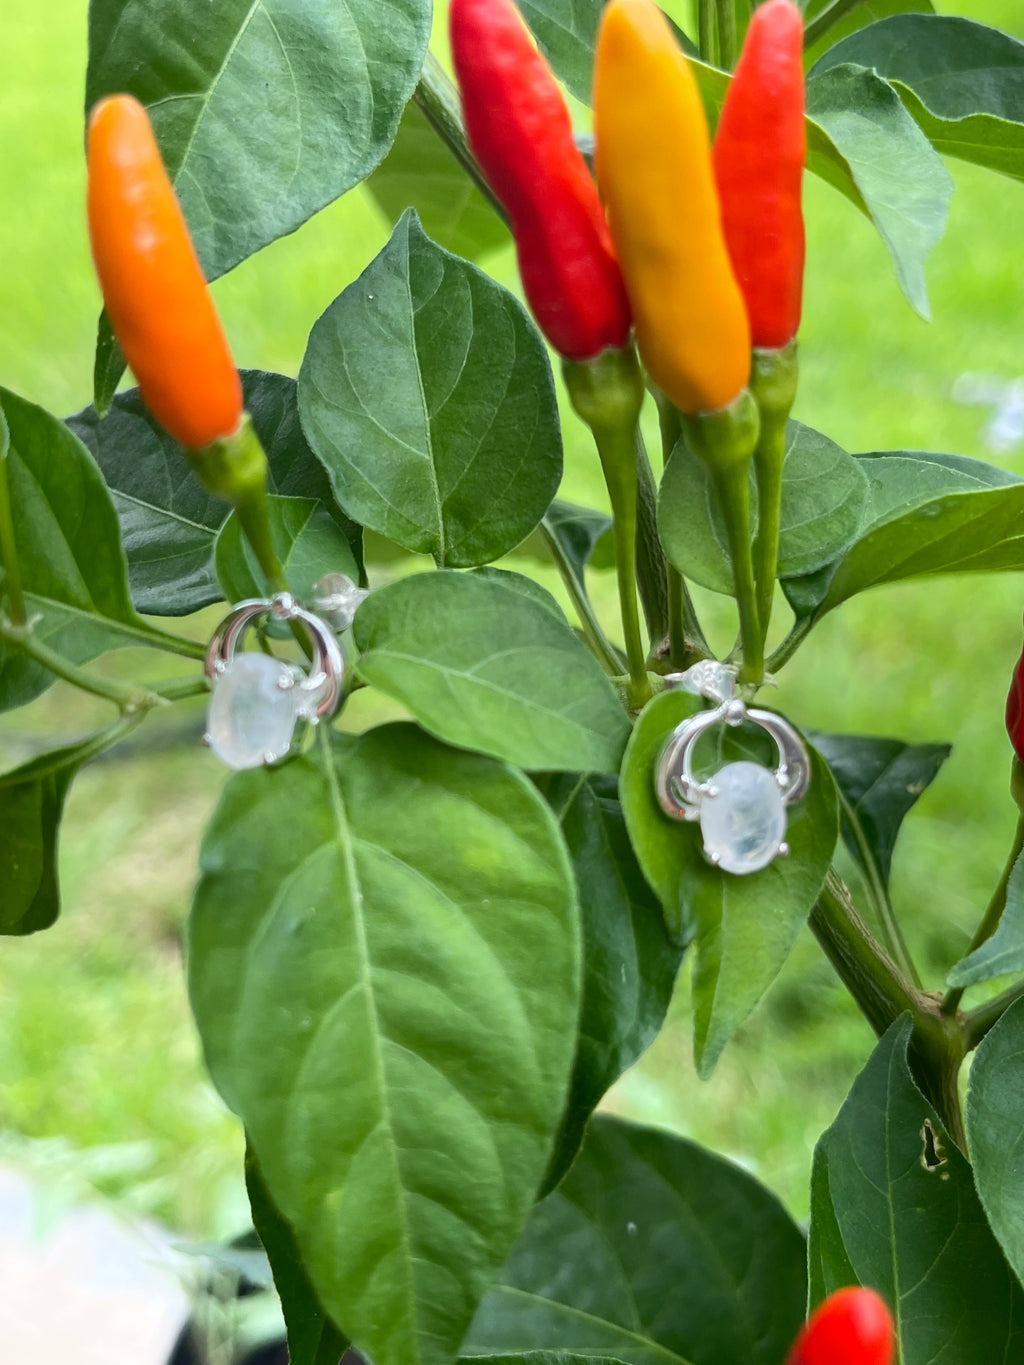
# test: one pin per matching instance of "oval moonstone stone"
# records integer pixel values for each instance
(744, 823)
(251, 717)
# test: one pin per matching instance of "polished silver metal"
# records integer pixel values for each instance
(679, 791)
(321, 687)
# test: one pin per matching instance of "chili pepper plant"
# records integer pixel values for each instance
(420, 955)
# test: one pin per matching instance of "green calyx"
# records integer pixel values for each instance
(234, 467)
(774, 377)
(727, 436)
(607, 391)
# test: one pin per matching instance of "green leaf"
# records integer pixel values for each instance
(1003, 953)
(629, 963)
(264, 112)
(904, 183)
(308, 541)
(427, 393)
(962, 82)
(69, 550)
(32, 800)
(392, 1012)
(927, 514)
(879, 780)
(422, 172)
(169, 522)
(583, 535)
(900, 1212)
(863, 13)
(745, 926)
(566, 32)
(653, 1250)
(483, 664)
(995, 1130)
(824, 493)
(312, 1338)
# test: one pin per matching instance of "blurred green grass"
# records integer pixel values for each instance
(97, 1051)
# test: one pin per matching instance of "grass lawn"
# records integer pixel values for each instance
(100, 1078)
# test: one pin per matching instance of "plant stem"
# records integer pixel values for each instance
(651, 569)
(9, 550)
(596, 638)
(993, 914)
(439, 100)
(892, 933)
(773, 382)
(821, 24)
(734, 492)
(707, 41)
(883, 994)
(726, 34)
(687, 643)
(979, 1021)
(802, 627)
(131, 698)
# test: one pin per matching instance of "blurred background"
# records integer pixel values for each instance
(101, 1085)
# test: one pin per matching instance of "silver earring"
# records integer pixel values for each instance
(257, 699)
(742, 807)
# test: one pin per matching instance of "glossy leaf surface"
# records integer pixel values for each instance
(962, 82)
(894, 1204)
(483, 663)
(744, 927)
(655, 1251)
(168, 521)
(264, 112)
(360, 979)
(927, 513)
(879, 780)
(427, 393)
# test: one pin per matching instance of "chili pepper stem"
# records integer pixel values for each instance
(8, 548)
(822, 22)
(651, 567)
(734, 493)
(726, 33)
(707, 37)
(773, 382)
(607, 393)
(687, 642)
(993, 913)
(725, 440)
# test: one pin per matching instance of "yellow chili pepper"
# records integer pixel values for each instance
(655, 175)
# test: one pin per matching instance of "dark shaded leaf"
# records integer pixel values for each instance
(655, 1251)
(168, 521)
(894, 1206)
(629, 962)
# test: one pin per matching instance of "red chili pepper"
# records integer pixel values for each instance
(152, 281)
(520, 131)
(759, 156)
(1015, 710)
(852, 1327)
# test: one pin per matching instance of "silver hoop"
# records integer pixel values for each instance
(742, 807)
(254, 690)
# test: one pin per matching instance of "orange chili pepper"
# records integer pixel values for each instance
(153, 285)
